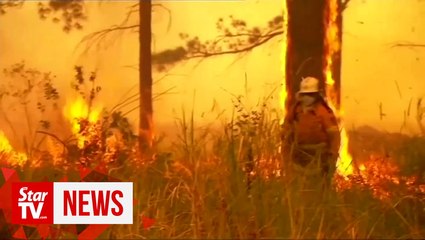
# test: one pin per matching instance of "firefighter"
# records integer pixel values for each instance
(311, 132)
(312, 139)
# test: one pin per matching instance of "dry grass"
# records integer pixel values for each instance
(195, 191)
(232, 183)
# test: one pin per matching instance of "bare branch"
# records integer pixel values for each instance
(156, 97)
(134, 6)
(263, 39)
(54, 137)
(344, 4)
(169, 14)
(98, 37)
(408, 45)
(125, 101)
(168, 91)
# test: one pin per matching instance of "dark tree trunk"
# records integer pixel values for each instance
(145, 76)
(306, 51)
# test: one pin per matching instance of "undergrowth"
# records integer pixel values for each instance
(226, 183)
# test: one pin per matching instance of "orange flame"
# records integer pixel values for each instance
(77, 112)
(332, 45)
(12, 157)
(283, 91)
(344, 163)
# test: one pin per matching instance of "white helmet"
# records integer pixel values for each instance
(309, 85)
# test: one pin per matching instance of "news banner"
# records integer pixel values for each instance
(72, 203)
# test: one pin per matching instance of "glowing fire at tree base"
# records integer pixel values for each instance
(344, 163)
(333, 48)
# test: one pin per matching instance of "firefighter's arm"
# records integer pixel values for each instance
(287, 129)
(331, 125)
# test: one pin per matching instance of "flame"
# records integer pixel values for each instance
(12, 157)
(332, 44)
(344, 163)
(283, 92)
(83, 118)
(381, 176)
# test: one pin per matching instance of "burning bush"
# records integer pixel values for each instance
(8, 156)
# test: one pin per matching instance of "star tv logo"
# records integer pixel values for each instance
(72, 203)
(32, 203)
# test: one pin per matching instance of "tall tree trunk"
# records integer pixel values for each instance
(145, 76)
(306, 51)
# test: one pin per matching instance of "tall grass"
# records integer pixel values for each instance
(238, 189)
(195, 191)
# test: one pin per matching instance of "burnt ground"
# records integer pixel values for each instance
(408, 152)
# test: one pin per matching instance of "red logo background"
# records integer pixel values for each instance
(46, 216)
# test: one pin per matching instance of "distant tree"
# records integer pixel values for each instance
(5, 4)
(71, 14)
(23, 88)
(235, 38)
(145, 76)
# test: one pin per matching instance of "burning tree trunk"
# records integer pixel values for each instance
(312, 45)
(145, 76)
(332, 57)
(314, 37)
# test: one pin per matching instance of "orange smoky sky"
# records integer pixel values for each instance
(370, 75)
